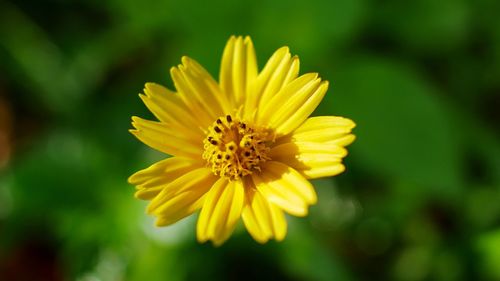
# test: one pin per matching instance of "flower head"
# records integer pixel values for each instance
(242, 147)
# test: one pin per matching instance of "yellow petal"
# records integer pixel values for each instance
(300, 86)
(179, 211)
(280, 69)
(186, 189)
(206, 88)
(279, 222)
(312, 160)
(315, 148)
(344, 140)
(152, 180)
(198, 91)
(184, 203)
(262, 219)
(197, 104)
(324, 129)
(291, 179)
(256, 219)
(294, 105)
(149, 192)
(226, 73)
(205, 216)
(320, 171)
(285, 187)
(324, 150)
(168, 107)
(238, 69)
(221, 211)
(165, 139)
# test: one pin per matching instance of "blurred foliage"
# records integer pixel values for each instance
(419, 200)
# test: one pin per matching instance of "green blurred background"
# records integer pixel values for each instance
(420, 199)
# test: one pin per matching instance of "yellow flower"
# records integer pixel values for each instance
(243, 147)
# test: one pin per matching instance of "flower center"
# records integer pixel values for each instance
(234, 149)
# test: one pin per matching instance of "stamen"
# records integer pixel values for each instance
(235, 149)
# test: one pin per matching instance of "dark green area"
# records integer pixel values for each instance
(420, 199)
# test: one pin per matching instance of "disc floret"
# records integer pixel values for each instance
(234, 148)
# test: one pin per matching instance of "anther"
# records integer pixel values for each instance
(234, 149)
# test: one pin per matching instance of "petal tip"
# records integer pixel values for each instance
(131, 178)
(284, 49)
(149, 85)
(248, 40)
(231, 41)
(280, 238)
(186, 60)
(174, 71)
(218, 243)
(201, 238)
